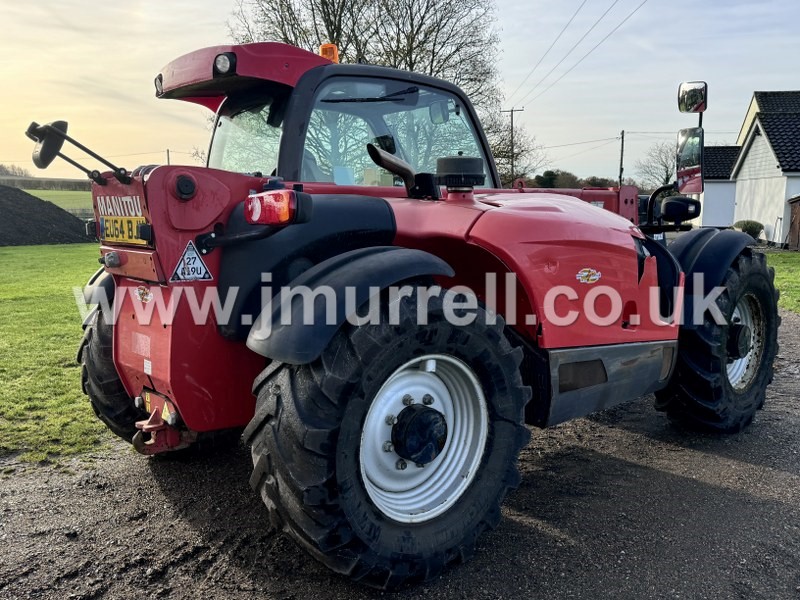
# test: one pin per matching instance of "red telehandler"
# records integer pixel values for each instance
(347, 282)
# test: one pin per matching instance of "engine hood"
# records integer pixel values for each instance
(551, 212)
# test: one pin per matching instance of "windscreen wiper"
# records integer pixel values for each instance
(393, 97)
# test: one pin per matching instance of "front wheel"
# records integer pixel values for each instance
(723, 371)
(388, 456)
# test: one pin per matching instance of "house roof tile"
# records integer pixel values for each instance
(783, 132)
(778, 102)
(718, 161)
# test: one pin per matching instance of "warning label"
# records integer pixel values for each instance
(191, 267)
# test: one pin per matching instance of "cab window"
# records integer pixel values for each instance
(416, 123)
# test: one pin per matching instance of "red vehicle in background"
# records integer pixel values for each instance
(347, 281)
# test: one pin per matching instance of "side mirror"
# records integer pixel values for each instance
(678, 209)
(689, 161)
(49, 140)
(692, 96)
(439, 112)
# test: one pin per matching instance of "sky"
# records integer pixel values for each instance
(93, 64)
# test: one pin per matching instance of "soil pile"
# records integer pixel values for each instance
(26, 220)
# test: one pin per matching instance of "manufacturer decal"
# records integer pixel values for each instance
(144, 294)
(191, 267)
(588, 275)
(119, 206)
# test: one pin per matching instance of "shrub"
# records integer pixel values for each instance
(751, 228)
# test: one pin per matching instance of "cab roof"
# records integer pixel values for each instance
(193, 77)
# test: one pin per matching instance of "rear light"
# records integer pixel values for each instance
(275, 207)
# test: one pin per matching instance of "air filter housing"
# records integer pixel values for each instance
(460, 172)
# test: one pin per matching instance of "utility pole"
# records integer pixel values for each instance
(512, 111)
(167, 156)
(621, 155)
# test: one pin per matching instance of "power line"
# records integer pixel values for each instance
(558, 37)
(633, 12)
(110, 156)
(558, 64)
(580, 143)
(672, 132)
(587, 150)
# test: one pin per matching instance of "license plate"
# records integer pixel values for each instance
(122, 230)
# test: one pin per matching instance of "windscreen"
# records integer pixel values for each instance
(416, 123)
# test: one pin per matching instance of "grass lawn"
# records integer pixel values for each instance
(787, 278)
(67, 200)
(42, 409)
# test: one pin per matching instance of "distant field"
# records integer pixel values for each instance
(787, 278)
(42, 410)
(65, 200)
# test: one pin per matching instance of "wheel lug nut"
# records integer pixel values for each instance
(408, 400)
(401, 465)
(388, 447)
(427, 399)
(391, 420)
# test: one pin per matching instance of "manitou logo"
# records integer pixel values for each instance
(588, 276)
(119, 206)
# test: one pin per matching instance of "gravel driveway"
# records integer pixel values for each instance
(621, 505)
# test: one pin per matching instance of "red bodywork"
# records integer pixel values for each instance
(544, 237)
(208, 377)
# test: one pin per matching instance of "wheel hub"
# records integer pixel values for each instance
(423, 438)
(739, 341)
(420, 434)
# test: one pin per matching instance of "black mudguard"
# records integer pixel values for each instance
(363, 270)
(709, 251)
(341, 223)
(99, 288)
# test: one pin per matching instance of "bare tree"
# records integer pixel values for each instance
(454, 40)
(657, 167)
(529, 156)
(304, 23)
(14, 171)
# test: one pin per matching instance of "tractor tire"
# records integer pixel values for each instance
(335, 444)
(100, 381)
(722, 372)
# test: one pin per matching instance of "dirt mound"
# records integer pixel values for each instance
(26, 220)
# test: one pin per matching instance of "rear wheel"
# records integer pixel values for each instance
(100, 381)
(723, 371)
(388, 456)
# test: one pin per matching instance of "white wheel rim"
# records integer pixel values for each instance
(742, 371)
(416, 494)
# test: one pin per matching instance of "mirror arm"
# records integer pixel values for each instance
(651, 202)
(119, 173)
(93, 175)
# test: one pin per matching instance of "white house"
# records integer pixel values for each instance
(718, 200)
(767, 170)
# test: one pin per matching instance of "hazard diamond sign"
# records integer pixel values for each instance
(191, 267)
